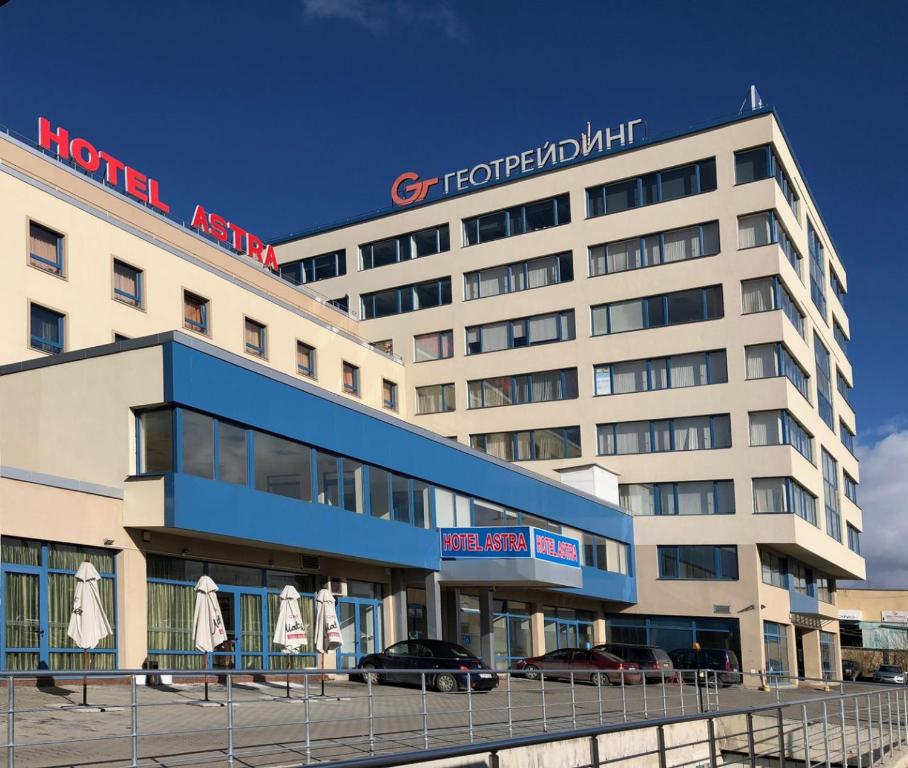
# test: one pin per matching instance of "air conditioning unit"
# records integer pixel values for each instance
(338, 586)
(310, 563)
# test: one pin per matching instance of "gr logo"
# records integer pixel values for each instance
(408, 189)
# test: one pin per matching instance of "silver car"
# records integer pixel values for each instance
(889, 673)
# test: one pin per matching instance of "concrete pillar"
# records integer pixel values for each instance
(599, 629)
(486, 630)
(537, 630)
(813, 666)
(450, 614)
(132, 608)
(399, 604)
(433, 607)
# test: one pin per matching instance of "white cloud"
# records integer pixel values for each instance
(883, 496)
(381, 16)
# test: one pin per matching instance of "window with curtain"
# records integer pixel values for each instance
(305, 359)
(520, 219)
(686, 370)
(255, 337)
(435, 398)
(350, 378)
(755, 230)
(673, 308)
(698, 562)
(433, 346)
(45, 248)
(47, 329)
(127, 284)
(195, 312)
(824, 381)
(528, 331)
(766, 428)
(760, 361)
(530, 445)
(684, 434)
(758, 295)
(831, 496)
(659, 248)
(770, 495)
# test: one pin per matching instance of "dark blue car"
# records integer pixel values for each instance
(449, 666)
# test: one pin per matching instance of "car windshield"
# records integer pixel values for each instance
(890, 668)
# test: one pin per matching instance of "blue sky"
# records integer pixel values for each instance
(292, 113)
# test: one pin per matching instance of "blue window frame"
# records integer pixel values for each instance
(697, 562)
(838, 290)
(766, 294)
(315, 268)
(831, 496)
(435, 398)
(657, 187)
(519, 276)
(519, 389)
(854, 539)
(36, 588)
(522, 332)
(350, 378)
(688, 433)
(775, 648)
(389, 394)
(690, 497)
(840, 337)
(656, 373)
(45, 249)
(824, 381)
(817, 269)
(48, 329)
(341, 302)
(779, 427)
(195, 312)
(763, 163)
(676, 308)
(654, 249)
(519, 220)
(406, 298)
(413, 245)
(764, 361)
(305, 359)
(850, 487)
(784, 495)
(531, 444)
(847, 437)
(843, 387)
(127, 284)
(759, 229)
(256, 339)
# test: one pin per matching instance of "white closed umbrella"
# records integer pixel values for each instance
(327, 632)
(208, 630)
(88, 624)
(290, 632)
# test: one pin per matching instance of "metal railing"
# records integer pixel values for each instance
(338, 718)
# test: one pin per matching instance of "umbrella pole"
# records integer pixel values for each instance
(206, 675)
(84, 678)
(323, 675)
(288, 683)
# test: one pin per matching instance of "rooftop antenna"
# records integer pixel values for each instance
(752, 101)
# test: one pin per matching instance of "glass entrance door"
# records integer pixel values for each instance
(360, 627)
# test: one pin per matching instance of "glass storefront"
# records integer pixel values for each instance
(36, 590)
(567, 628)
(249, 602)
(827, 655)
(469, 624)
(674, 632)
(775, 647)
(511, 624)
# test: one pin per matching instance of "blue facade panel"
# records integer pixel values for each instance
(801, 603)
(605, 585)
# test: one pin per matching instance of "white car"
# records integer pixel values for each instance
(889, 673)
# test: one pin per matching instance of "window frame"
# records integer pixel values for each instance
(205, 306)
(650, 375)
(670, 422)
(355, 388)
(521, 216)
(60, 265)
(718, 571)
(449, 332)
(523, 267)
(392, 403)
(57, 348)
(121, 296)
(564, 374)
(411, 246)
(312, 371)
(261, 351)
(562, 317)
(775, 169)
(664, 299)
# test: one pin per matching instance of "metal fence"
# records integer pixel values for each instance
(322, 716)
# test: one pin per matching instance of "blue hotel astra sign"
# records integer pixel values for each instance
(513, 541)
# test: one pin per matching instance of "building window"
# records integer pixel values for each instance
(766, 294)
(824, 381)
(701, 563)
(530, 217)
(255, 338)
(824, 587)
(675, 372)
(774, 570)
(694, 305)
(530, 445)
(757, 229)
(305, 359)
(414, 245)
(519, 276)
(765, 361)
(838, 290)
(775, 648)
(843, 387)
(386, 346)
(651, 250)
(127, 284)
(436, 398)
(840, 337)
(342, 303)
(851, 487)
(603, 554)
(195, 313)
(780, 428)
(45, 249)
(817, 269)
(763, 163)
(658, 187)
(854, 539)
(831, 496)
(155, 442)
(315, 268)
(692, 497)
(691, 433)
(406, 298)
(538, 387)
(784, 495)
(525, 332)
(847, 436)
(438, 345)
(389, 394)
(350, 378)
(47, 329)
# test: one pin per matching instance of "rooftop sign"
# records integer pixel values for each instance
(408, 188)
(145, 189)
(512, 541)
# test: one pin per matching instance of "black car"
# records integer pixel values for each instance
(452, 666)
(719, 660)
(653, 661)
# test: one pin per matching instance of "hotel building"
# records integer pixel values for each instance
(668, 311)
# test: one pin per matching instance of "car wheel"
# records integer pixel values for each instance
(531, 672)
(597, 678)
(370, 675)
(445, 683)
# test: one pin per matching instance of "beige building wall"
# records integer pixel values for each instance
(787, 534)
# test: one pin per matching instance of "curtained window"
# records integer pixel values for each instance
(765, 428)
(770, 495)
(127, 284)
(757, 295)
(755, 230)
(45, 249)
(195, 312)
(434, 346)
(760, 361)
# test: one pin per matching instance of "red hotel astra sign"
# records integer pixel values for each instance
(146, 190)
